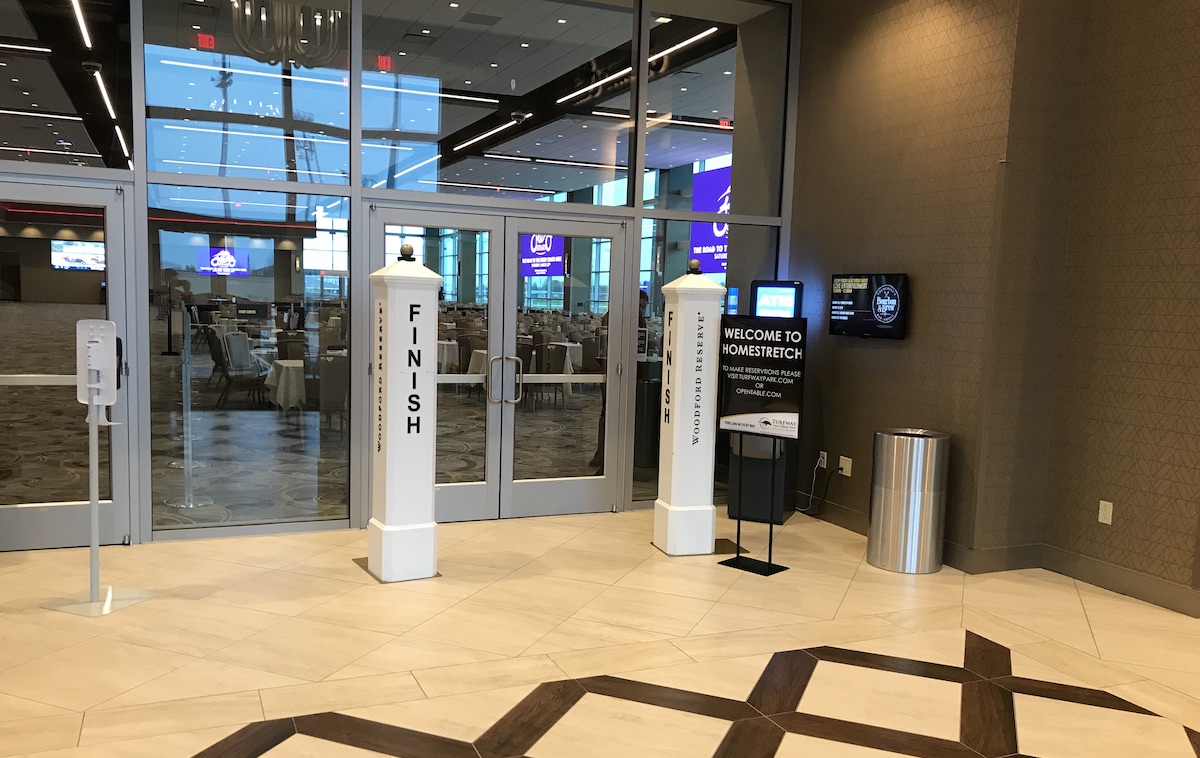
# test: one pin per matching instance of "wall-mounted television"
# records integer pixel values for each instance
(542, 254)
(74, 255)
(776, 299)
(869, 305)
(223, 261)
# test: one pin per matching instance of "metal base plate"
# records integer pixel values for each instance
(112, 599)
(753, 565)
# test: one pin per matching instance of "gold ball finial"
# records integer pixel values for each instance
(693, 266)
(406, 252)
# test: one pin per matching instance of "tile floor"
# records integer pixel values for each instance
(574, 636)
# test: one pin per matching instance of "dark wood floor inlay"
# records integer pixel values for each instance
(382, 738)
(1193, 737)
(986, 658)
(988, 723)
(1069, 693)
(783, 682)
(752, 738)
(530, 719)
(893, 663)
(877, 737)
(669, 697)
(251, 741)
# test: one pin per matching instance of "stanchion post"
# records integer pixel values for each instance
(685, 519)
(402, 534)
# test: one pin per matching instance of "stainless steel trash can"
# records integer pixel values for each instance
(908, 500)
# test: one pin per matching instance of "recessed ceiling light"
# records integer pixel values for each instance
(303, 42)
(715, 110)
(401, 53)
(424, 31)
(562, 21)
(683, 89)
(15, 79)
(33, 105)
(663, 20)
(453, 5)
(196, 27)
(24, 93)
(524, 44)
(727, 73)
(468, 81)
(495, 65)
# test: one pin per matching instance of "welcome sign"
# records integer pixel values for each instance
(762, 375)
(541, 254)
(710, 241)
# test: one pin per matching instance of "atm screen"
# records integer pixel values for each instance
(775, 299)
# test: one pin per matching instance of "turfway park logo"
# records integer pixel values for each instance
(541, 244)
(223, 262)
(776, 423)
(886, 304)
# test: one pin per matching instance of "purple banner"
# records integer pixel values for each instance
(710, 242)
(220, 261)
(541, 255)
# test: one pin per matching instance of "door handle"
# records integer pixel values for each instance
(487, 378)
(520, 379)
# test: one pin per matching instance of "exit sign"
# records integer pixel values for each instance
(206, 41)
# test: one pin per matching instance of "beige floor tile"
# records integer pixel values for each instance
(92, 626)
(842, 631)
(302, 649)
(268, 552)
(677, 578)
(1148, 647)
(489, 675)
(612, 660)
(928, 619)
(614, 542)
(1056, 728)
(190, 576)
(604, 727)
(130, 722)
(944, 647)
(490, 551)
(344, 563)
(1038, 600)
(22, 559)
(736, 644)
(576, 634)
(18, 597)
(408, 654)
(801, 746)
(946, 584)
(196, 628)
(504, 631)
(545, 594)
(1107, 608)
(1024, 666)
(867, 603)
(388, 608)
(85, 675)
(39, 734)
(1185, 681)
(69, 575)
(997, 629)
(339, 537)
(726, 617)
(456, 580)
(21, 641)
(584, 565)
(340, 694)
(282, 592)
(651, 611)
(16, 708)
(1165, 701)
(177, 745)
(732, 678)
(1095, 672)
(303, 746)
(200, 679)
(884, 698)
(639, 521)
(792, 595)
(543, 533)
(462, 717)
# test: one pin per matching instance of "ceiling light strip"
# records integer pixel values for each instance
(247, 72)
(26, 48)
(411, 169)
(611, 77)
(50, 152)
(610, 114)
(495, 187)
(35, 114)
(236, 203)
(250, 168)
(499, 157)
(427, 93)
(253, 134)
(556, 162)
(485, 135)
(104, 94)
(121, 139)
(83, 30)
(689, 41)
(681, 122)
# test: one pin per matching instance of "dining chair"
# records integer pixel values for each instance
(334, 391)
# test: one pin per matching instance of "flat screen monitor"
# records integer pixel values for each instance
(869, 305)
(223, 261)
(74, 255)
(542, 254)
(776, 299)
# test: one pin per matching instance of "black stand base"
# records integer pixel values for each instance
(753, 565)
(170, 352)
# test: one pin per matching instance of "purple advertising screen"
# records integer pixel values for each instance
(710, 242)
(221, 261)
(541, 255)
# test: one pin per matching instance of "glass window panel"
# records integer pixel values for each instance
(704, 70)
(498, 100)
(55, 111)
(250, 425)
(221, 101)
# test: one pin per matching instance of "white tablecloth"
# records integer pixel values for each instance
(574, 353)
(285, 384)
(478, 364)
(447, 356)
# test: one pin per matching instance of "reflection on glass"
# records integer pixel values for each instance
(482, 100)
(461, 257)
(226, 97)
(52, 274)
(251, 294)
(562, 326)
(702, 70)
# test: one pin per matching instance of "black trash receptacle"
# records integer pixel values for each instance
(647, 400)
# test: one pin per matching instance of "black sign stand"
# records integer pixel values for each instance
(741, 562)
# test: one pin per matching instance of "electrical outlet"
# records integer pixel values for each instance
(1105, 514)
(845, 464)
(822, 459)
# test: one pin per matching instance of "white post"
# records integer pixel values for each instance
(402, 535)
(685, 519)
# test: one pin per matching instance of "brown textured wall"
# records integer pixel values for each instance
(1128, 422)
(903, 118)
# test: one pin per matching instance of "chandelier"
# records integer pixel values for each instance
(273, 31)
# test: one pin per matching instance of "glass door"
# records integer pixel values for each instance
(61, 260)
(522, 359)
